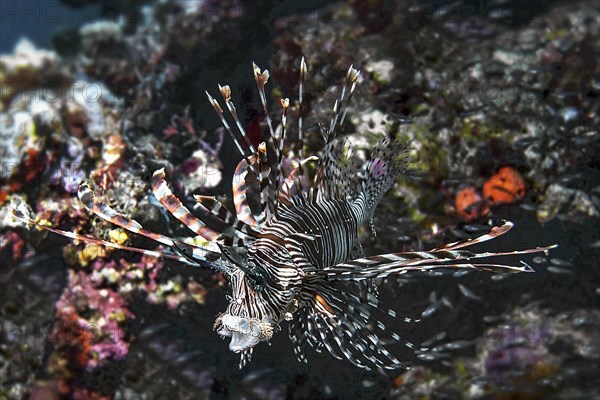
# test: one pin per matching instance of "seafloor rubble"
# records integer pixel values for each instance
(501, 117)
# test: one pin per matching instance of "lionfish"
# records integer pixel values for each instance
(291, 249)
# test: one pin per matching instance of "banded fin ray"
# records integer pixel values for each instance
(267, 196)
(216, 208)
(164, 195)
(330, 170)
(219, 111)
(385, 265)
(339, 320)
(303, 70)
(265, 184)
(494, 232)
(217, 266)
(105, 212)
(292, 186)
(240, 190)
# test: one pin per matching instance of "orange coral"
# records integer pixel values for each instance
(3, 195)
(70, 339)
(505, 186)
(469, 204)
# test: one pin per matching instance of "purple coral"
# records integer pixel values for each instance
(104, 310)
(518, 347)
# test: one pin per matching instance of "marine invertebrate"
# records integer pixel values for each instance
(98, 337)
(505, 186)
(293, 254)
(469, 204)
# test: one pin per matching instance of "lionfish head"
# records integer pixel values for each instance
(244, 332)
(244, 321)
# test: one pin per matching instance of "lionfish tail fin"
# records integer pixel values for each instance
(387, 161)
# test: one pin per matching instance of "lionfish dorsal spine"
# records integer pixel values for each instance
(261, 78)
(217, 107)
(327, 180)
(279, 170)
(264, 180)
(303, 70)
(270, 174)
(226, 94)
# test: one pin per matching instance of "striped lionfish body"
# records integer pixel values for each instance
(296, 255)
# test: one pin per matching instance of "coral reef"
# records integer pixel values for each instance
(500, 109)
(531, 355)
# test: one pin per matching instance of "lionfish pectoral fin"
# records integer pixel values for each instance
(240, 190)
(298, 333)
(367, 287)
(105, 212)
(87, 239)
(348, 327)
(194, 254)
(385, 265)
(235, 227)
(164, 195)
(495, 231)
(199, 256)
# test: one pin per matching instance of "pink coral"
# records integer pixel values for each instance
(101, 330)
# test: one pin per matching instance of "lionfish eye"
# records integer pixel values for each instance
(185, 250)
(257, 281)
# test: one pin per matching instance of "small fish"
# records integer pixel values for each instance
(458, 345)
(560, 263)
(437, 338)
(559, 270)
(445, 301)
(293, 254)
(460, 273)
(429, 311)
(476, 228)
(499, 277)
(468, 293)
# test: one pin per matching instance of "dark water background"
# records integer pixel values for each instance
(173, 346)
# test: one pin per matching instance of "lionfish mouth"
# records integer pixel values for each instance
(241, 341)
(245, 333)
